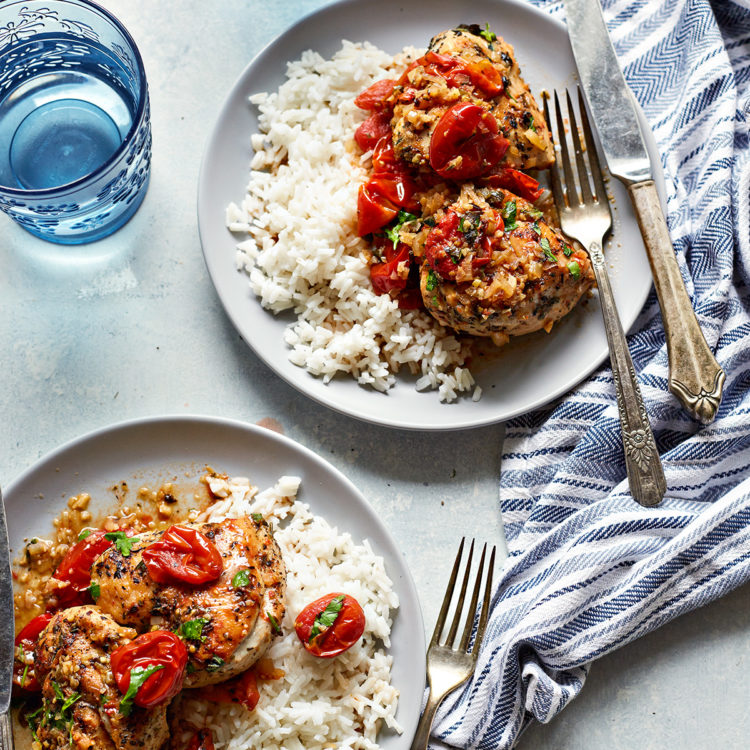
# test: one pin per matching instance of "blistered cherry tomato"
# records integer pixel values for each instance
(202, 740)
(466, 142)
(327, 640)
(23, 672)
(374, 97)
(441, 239)
(183, 555)
(157, 648)
(385, 276)
(373, 209)
(75, 568)
(517, 182)
(483, 75)
(242, 689)
(375, 127)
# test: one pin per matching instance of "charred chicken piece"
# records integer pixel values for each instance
(454, 102)
(493, 266)
(80, 700)
(228, 623)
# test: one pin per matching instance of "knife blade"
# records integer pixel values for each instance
(695, 376)
(7, 632)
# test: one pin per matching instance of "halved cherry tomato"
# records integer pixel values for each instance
(157, 648)
(183, 555)
(385, 276)
(466, 142)
(374, 97)
(23, 672)
(328, 640)
(375, 127)
(517, 182)
(202, 740)
(242, 689)
(373, 209)
(482, 74)
(75, 568)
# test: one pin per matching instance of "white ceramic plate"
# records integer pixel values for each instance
(528, 372)
(152, 451)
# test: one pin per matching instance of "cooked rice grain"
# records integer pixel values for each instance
(304, 254)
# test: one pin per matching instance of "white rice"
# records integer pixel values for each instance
(303, 253)
(318, 703)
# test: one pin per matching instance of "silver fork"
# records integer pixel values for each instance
(587, 217)
(448, 665)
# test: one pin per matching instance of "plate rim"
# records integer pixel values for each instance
(325, 397)
(396, 566)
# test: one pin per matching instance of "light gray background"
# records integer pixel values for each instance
(131, 326)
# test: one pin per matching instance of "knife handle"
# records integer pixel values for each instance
(6, 731)
(695, 377)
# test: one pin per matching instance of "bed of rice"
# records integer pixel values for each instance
(318, 703)
(303, 253)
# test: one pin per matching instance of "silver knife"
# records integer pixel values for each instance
(695, 377)
(7, 634)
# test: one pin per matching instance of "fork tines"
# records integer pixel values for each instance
(588, 192)
(472, 610)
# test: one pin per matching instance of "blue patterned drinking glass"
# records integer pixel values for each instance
(75, 130)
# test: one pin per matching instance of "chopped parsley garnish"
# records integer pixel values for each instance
(490, 36)
(327, 617)
(575, 269)
(430, 221)
(274, 623)
(535, 213)
(241, 578)
(123, 542)
(95, 589)
(192, 630)
(214, 663)
(404, 217)
(84, 533)
(567, 250)
(60, 719)
(432, 281)
(138, 675)
(548, 254)
(23, 676)
(535, 226)
(509, 215)
(257, 517)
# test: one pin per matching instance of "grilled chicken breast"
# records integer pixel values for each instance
(238, 621)
(79, 694)
(429, 95)
(493, 266)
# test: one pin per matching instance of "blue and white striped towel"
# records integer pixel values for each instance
(590, 571)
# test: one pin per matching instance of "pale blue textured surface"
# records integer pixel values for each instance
(131, 326)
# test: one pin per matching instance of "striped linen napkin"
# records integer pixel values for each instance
(589, 570)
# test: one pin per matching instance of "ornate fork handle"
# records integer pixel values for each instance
(645, 472)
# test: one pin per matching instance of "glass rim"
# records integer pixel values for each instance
(142, 100)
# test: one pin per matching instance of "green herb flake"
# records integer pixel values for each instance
(85, 533)
(432, 281)
(490, 36)
(123, 542)
(404, 217)
(535, 226)
(274, 623)
(23, 676)
(567, 250)
(430, 221)
(575, 269)
(548, 254)
(509, 215)
(257, 517)
(535, 213)
(138, 675)
(241, 578)
(327, 617)
(192, 630)
(214, 663)
(95, 590)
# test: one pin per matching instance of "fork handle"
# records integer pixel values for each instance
(642, 462)
(695, 377)
(422, 736)
(6, 731)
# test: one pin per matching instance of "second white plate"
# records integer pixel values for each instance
(527, 373)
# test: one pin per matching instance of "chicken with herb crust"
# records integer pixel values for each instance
(491, 265)
(225, 599)
(82, 706)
